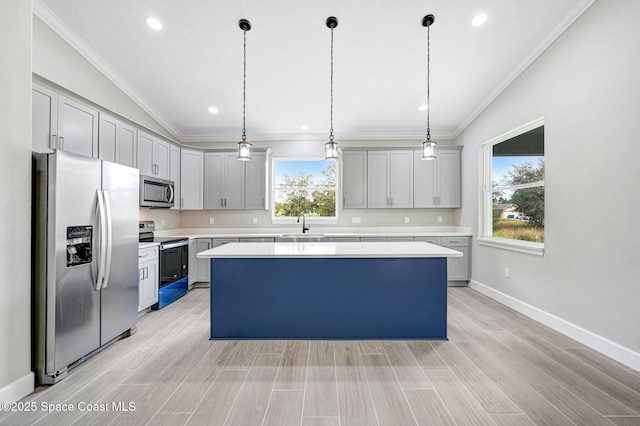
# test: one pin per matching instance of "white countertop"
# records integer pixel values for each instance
(329, 249)
(390, 231)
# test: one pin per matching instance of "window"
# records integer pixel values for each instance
(304, 187)
(513, 190)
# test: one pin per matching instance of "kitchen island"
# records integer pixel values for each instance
(329, 290)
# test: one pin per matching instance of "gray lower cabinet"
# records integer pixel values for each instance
(148, 275)
(202, 272)
(458, 268)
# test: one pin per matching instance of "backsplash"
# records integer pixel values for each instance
(368, 217)
(163, 218)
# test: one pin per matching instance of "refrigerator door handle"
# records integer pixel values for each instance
(102, 230)
(109, 245)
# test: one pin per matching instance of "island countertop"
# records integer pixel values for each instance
(411, 249)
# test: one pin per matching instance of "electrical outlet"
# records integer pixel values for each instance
(211, 221)
(355, 219)
(506, 272)
(439, 219)
(162, 222)
(255, 221)
(406, 219)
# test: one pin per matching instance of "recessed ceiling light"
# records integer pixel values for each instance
(154, 23)
(423, 107)
(479, 20)
(213, 110)
(304, 127)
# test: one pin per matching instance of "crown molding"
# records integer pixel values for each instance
(68, 35)
(314, 137)
(568, 20)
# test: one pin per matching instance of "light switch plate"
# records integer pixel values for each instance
(406, 219)
(211, 221)
(439, 219)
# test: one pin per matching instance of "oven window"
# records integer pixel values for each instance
(172, 265)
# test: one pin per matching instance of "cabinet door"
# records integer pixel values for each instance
(378, 179)
(148, 290)
(108, 136)
(354, 180)
(458, 267)
(145, 154)
(233, 178)
(424, 182)
(255, 182)
(126, 146)
(174, 175)
(203, 271)
(401, 179)
(213, 180)
(449, 178)
(191, 179)
(193, 260)
(161, 158)
(44, 121)
(77, 127)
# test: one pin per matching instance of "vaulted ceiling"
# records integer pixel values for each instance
(195, 61)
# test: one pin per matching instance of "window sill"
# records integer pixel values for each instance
(528, 247)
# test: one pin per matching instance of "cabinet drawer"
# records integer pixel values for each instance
(455, 241)
(147, 254)
(432, 240)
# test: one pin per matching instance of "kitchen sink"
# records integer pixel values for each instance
(307, 237)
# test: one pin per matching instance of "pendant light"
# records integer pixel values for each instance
(244, 147)
(331, 147)
(428, 146)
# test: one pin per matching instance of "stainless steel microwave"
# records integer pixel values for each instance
(156, 192)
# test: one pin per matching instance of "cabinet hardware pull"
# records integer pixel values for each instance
(61, 139)
(181, 202)
(52, 142)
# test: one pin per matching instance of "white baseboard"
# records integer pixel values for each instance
(18, 389)
(601, 344)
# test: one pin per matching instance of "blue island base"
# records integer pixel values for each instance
(329, 298)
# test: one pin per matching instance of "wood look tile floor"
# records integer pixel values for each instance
(498, 368)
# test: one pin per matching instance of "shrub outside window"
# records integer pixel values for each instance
(304, 187)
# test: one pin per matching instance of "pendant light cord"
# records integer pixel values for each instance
(331, 108)
(428, 76)
(244, 88)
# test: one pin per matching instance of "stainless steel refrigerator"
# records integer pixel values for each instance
(85, 260)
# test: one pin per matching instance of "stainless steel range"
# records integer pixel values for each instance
(174, 264)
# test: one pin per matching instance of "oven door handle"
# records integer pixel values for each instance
(173, 245)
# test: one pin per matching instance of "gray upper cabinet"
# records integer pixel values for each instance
(44, 124)
(117, 141)
(354, 179)
(174, 174)
(153, 156)
(390, 179)
(77, 127)
(224, 181)
(108, 136)
(126, 150)
(61, 123)
(191, 179)
(437, 184)
(255, 182)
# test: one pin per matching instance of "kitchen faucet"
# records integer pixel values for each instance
(304, 225)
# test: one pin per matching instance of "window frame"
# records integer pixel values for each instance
(277, 220)
(486, 189)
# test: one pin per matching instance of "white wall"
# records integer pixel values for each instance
(57, 62)
(16, 379)
(587, 87)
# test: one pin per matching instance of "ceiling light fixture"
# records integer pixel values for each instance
(213, 110)
(331, 147)
(479, 19)
(423, 108)
(154, 23)
(428, 146)
(244, 147)
(304, 127)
